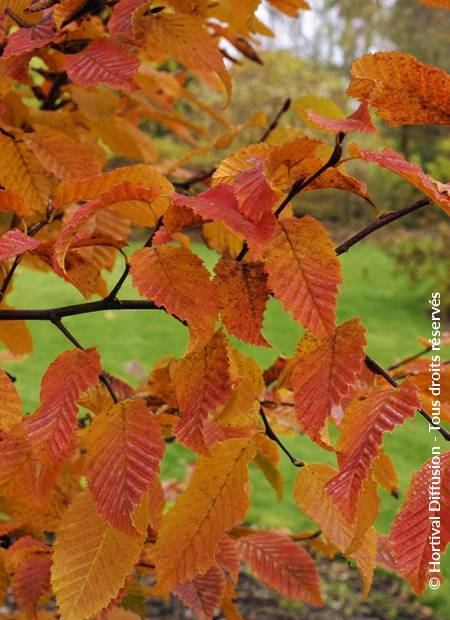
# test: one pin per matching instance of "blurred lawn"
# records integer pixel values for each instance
(392, 310)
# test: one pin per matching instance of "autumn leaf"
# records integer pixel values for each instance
(15, 335)
(10, 403)
(125, 448)
(29, 39)
(31, 581)
(304, 272)
(12, 202)
(202, 383)
(120, 24)
(177, 280)
(218, 487)
(220, 203)
(359, 120)
(362, 429)
(387, 158)
(104, 62)
(324, 370)
(17, 464)
(204, 593)
(15, 242)
(92, 559)
(283, 565)
(404, 90)
(385, 474)
(243, 295)
(60, 154)
(22, 173)
(418, 526)
(51, 428)
(310, 495)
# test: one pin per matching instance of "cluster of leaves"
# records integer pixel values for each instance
(84, 513)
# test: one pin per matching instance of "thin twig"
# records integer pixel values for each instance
(102, 377)
(274, 124)
(271, 435)
(116, 288)
(411, 358)
(49, 314)
(383, 220)
(379, 370)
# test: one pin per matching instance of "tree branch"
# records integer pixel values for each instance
(379, 370)
(51, 314)
(271, 435)
(383, 220)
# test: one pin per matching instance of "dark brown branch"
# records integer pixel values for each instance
(51, 314)
(274, 124)
(379, 370)
(383, 220)
(271, 435)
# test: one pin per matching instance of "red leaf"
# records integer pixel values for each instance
(204, 593)
(126, 447)
(255, 196)
(362, 429)
(283, 565)
(360, 121)
(304, 272)
(15, 242)
(52, 427)
(29, 39)
(219, 203)
(32, 581)
(102, 62)
(387, 158)
(202, 383)
(414, 531)
(325, 368)
(121, 21)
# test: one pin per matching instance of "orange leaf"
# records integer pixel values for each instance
(125, 450)
(358, 121)
(243, 295)
(102, 62)
(325, 368)
(122, 16)
(91, 559)
(304, 272)
(15, 242)
(15, 335)
(404, 90)
(415, 532)
(204, 593)
(215, 501)
(387, 158)
(17, 464)
(61, 155)
(384, 473)
(202, 383)
(51, 428)
(283, 565)
(10, 403)
(362, 429)
(12, 202)
(177, 280)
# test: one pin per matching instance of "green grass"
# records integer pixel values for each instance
(392, 310)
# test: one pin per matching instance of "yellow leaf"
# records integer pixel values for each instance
(92, 559)
(215, 501)
(321, 105)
